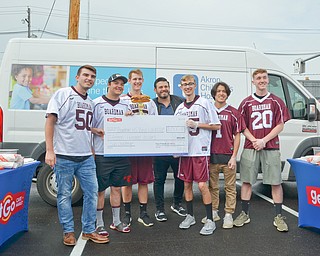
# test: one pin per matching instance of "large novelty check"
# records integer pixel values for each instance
(145, 135)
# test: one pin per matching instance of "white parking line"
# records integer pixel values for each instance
(286, 208)
(79, 247)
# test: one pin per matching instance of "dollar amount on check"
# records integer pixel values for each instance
(145, 136)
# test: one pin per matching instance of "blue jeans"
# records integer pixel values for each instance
(85, 171)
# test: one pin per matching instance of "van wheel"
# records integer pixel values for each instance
(47, 186)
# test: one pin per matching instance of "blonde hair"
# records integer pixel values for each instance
(187, 77)
(135, 71)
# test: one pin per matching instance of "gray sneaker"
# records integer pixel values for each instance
(242, 219)
(280, 223)
(208, 228)
(188, 221)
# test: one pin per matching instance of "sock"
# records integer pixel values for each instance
(278, 208)
(99, 218)
(190, 207)
(245, 205)
(209, 211)
(127, 208)
(116, 215)
(143, 208)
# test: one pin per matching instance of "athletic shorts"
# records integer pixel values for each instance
(194, 168)
(142, 169)
(270, 163)
(112, 171)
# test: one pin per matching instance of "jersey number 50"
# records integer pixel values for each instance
(83, 119)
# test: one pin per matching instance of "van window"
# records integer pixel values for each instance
(292, 97)
(275, 87)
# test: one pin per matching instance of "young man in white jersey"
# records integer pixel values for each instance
(224, 148)
(111, 171)
(68, 151)
(202, 119)
(141, 167)
(264, 115)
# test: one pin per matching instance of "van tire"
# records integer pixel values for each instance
(47, 187)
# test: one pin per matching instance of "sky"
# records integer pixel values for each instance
(283, 29)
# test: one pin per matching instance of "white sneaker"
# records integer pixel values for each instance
(208, 228)
(215, 217)
(228, 221)
(189, 220)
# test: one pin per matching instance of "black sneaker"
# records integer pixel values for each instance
(145, 219)
(127, 219)
(160, 216)
(178, 209)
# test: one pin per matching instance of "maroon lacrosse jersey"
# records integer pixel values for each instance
(262, 115)
(231, 123)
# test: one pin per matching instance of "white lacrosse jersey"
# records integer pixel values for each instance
(72, 132)
(105, 108)
(200, 110)
(148, 108)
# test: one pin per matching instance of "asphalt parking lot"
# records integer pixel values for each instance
(259, 237)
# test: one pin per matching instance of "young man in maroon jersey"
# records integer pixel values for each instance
(225, 144)
(264, 115)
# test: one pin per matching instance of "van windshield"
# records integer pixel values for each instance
(292, 97)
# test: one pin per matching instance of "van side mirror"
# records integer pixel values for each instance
(311, 109)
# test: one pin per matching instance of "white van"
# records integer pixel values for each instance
(54, 64)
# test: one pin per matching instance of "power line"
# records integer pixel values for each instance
(45, 26)
(33, 30)
(175, 24)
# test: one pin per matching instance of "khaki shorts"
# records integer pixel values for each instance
(270, 165)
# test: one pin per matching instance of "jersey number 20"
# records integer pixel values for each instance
(262, 119)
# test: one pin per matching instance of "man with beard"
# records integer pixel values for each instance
(166, 105)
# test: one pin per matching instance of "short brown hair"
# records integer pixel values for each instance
(135, 71)
(215, 88)
(93, 69)
(259, 71)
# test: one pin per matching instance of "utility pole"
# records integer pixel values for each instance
(29, 22)
(74, 12)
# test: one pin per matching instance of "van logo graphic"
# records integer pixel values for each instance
(10, 205)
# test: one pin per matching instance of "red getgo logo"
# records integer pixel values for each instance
(313, 194)
(10, 205)
(114, 119)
